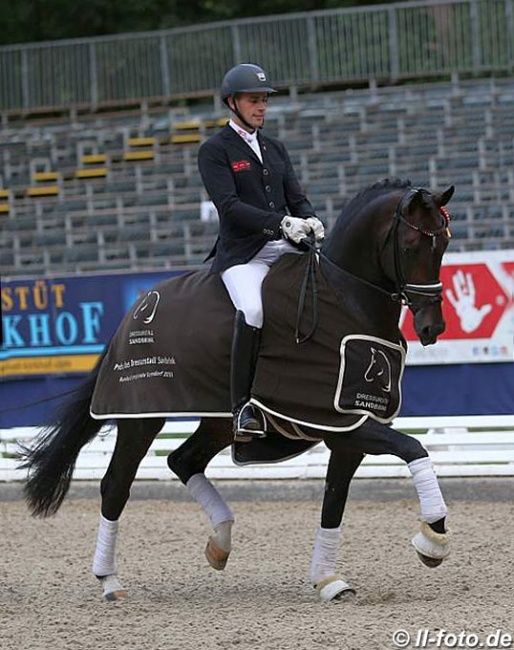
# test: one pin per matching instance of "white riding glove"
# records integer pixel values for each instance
(317, 228)
(295, 228)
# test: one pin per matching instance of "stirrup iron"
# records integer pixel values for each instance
(247, 426)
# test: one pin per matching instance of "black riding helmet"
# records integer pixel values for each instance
(244, 78)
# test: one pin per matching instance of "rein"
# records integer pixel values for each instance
(310, 274)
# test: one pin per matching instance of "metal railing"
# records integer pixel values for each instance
(307, 50)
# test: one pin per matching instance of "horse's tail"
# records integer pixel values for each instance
(50, 461)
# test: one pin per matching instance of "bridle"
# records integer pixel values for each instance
(404, 289)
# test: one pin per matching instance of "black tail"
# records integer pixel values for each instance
(51, 460)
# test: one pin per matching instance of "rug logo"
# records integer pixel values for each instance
(369, 377)
(147, 308)
(379, 370)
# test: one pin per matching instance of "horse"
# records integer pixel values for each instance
(383, 253)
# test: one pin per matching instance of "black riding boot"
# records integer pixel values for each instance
(245, 352)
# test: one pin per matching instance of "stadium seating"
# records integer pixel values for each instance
(122, 190)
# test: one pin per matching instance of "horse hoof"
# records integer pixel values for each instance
(335, 590)
(431, 562)
(345, 596)
(431, 547)
(119, 594)
(216, 556)
(112, 589)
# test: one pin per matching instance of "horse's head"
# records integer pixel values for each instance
(412, 256)
(392, 236)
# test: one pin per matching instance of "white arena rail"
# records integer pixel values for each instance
(459, 446)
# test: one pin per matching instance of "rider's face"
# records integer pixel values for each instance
(252, 107)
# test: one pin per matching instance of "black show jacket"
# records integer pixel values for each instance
(251, 197)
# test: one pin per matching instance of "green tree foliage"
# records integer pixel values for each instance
(42, 20)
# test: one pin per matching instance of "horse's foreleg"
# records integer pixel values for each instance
(132, 443)
(189, 462)
(341, 469)
(433, 541)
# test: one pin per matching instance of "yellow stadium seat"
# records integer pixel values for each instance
(92, 172)
(5, 208)
(45, 176)
(147, 154)
(141, 142)
(94, 159)
(187, 126)
(4, 194)
(185, 138)
(43, 190)
(221, 121)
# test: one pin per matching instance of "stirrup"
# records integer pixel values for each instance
(246, 426)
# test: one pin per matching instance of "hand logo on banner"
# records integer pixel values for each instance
(463, 301)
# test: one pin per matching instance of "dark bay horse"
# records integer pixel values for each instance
(388, 242)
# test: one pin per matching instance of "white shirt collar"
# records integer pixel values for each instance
(250, 138)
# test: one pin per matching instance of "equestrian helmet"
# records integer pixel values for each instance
(245, 78)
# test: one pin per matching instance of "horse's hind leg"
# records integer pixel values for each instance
(432, 543)
(342, 466)
(188, 462)
(133, 440)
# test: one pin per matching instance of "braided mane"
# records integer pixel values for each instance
(372, 191)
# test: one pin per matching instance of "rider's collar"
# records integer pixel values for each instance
(250, 138)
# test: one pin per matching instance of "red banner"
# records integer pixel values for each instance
(478, 307)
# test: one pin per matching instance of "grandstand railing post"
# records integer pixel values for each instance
(393, 45)
(165, 72)
(25, 85)
(509, 19)
(475, 39)
(236, 43)
(313, 51)
(93, 75)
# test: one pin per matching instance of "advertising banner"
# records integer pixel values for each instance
(478, 308)
(60, 326)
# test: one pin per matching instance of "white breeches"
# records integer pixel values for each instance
(244, 281)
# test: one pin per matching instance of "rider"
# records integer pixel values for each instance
(262, 213)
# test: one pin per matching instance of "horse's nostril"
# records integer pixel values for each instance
(430, 333)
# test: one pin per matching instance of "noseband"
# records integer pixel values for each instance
(405, 290)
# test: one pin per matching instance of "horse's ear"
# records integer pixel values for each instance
(444, 198)
(415, 198)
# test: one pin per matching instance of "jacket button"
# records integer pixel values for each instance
(265, 172)
(267, 188)
(271, 204)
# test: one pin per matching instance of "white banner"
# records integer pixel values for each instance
(478, 308)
